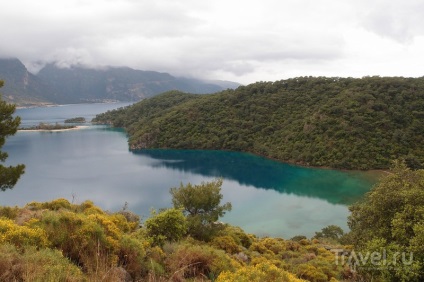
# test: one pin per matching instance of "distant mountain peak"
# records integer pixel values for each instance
(64, 83)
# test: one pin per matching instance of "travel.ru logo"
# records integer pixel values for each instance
(375, 260)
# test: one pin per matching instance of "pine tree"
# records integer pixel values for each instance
(8, 126)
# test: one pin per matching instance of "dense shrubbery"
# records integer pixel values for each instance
(390, 220)
(75, 243)
(264, 271)
(60, 241)
(337, 122)
(36, 264)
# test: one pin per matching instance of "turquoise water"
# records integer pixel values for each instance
(268, 197)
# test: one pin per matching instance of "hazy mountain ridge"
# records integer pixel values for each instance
(79, 84)
(22, 87)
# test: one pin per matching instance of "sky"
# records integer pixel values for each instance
(243, 41)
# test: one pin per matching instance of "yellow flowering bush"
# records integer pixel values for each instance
(270, 246)
(258, 273)
(86, 243)
(53, 205)
(226, 243)
(20, 236)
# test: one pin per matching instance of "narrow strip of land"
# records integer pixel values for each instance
(55, 130)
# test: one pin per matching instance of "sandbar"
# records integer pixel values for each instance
(54, 130)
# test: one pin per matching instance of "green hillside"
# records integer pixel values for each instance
(336, 122)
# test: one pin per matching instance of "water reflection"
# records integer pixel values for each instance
(336, 187)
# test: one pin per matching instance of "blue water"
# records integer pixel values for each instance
(268, 197)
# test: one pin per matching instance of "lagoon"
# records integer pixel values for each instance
(269, 198)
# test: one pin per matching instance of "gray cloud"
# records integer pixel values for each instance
(399, 20)
(240, 40)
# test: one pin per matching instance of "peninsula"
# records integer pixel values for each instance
(51, 127)
(345, 123)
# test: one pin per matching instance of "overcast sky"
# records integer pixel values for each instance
(243, 41)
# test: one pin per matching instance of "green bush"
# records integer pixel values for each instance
(202, 206)
(53, 205)
(81, 237)
(238, 234)
(131, 256)
(311, 273)
(226, 243)
(36, 265)
(9, 212)
(194, 261)
(271, 246)
(167, 225)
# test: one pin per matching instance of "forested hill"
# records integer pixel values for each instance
(336, 122)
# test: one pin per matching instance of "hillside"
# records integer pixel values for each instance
(335, 122)
(78, 84)
(21, 87)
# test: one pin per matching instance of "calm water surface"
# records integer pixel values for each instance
(268, 197)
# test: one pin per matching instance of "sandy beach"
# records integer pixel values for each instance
(54, 130)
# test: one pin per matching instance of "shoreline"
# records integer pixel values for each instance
(60, 105)
(373, 174)
(78, 127)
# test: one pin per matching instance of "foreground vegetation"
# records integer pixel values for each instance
(60, 241)
(390, 223)
(9, 175)
(336, 122)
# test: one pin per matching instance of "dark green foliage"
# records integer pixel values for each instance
(202, 206)
(338, 122)
(391, 218)
(167, 225)
(75, 120)
(333, 232)
(8, 126)
(297, 238)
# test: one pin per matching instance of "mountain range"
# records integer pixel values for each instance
(80, 84)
